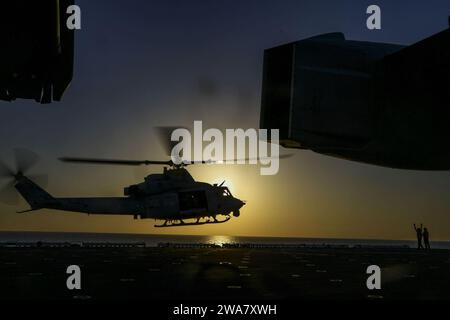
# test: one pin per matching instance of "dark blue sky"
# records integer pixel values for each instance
(144, 63)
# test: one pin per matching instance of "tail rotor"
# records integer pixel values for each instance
(24, 160)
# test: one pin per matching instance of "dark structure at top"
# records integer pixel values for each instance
(376, 103)
(36, 60)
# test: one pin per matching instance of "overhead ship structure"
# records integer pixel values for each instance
(36, 60)
(377, 103)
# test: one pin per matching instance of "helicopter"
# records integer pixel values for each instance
(172, 196)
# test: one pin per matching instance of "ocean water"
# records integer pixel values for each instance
(153, 240)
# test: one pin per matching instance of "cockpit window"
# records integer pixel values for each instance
(226, 192)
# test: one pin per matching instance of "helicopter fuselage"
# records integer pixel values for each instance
(178, 197)
(183, 204)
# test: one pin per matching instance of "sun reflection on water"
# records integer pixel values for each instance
(221, 240)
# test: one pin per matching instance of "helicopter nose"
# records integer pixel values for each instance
(240, 203)
(237, 205)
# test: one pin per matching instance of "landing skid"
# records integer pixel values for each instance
(181, 223)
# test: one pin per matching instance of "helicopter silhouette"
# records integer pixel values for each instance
(172, 196)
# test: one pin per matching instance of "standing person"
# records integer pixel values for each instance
(426, 238)
(419, 236)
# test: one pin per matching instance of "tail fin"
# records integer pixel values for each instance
(36, 197)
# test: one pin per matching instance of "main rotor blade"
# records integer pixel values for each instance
(164, 136)
(281, 156)
(8, 194)
(115, 161)
(155, 162)
(285, 156)
(25, 159)
(224, 161)
(5, 171)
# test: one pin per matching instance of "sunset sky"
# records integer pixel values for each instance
(145, 63)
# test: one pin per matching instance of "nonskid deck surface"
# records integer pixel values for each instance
(217, 273)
